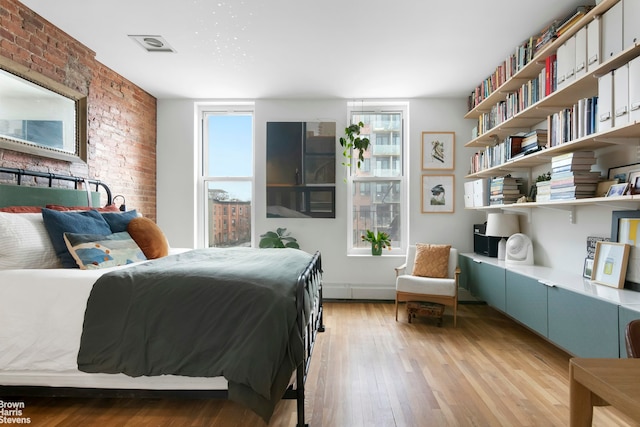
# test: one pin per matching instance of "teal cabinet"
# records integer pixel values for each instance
(582, 325)
(625, 315)
(487, 283)
(464, 262)
(526, 301)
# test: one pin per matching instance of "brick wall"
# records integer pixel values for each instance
(121, 117)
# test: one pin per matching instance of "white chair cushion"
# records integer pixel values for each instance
(423, 285)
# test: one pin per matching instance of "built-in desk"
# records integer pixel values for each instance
(577, 315)
(616, 381)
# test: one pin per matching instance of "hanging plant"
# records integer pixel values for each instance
(353, 141)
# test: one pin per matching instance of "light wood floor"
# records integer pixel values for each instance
(369, 370)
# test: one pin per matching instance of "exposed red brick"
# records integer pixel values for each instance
(121, 116)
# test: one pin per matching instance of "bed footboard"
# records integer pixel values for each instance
(309, 284)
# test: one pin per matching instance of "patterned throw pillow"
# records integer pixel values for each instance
(431, 260)
(94, 251)
(84, 222)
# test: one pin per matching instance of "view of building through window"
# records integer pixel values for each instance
(228, 177)
(377, 187)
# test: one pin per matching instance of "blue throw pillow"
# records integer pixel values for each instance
(118, 221)
(59, 222)
(94, 251)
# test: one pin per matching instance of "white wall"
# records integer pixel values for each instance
(345, 276)
(557, 242)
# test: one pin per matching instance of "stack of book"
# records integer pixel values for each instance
(543, 191)
(504, 190)
(532, 142)
(571, 176)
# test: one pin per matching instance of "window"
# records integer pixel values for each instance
(378, 196)
(227, 175)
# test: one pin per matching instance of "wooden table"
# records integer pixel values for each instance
(616, 381)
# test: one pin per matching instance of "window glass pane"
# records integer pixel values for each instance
(376, 210)
(230, 145)
(228, 213)
(384, 131)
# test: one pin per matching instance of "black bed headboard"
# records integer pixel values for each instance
(23, 195)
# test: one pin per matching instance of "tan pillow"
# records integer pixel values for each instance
(431, 260)
(149, 237)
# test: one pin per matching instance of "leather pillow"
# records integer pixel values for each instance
(149, 237)
(431, 260)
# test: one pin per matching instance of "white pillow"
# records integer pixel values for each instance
(25, 243)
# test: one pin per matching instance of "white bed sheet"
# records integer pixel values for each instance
(41, 317)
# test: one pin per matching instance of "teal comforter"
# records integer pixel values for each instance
(203, 313)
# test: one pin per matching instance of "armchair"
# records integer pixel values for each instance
(441, 290)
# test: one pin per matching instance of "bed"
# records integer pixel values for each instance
(204, 323)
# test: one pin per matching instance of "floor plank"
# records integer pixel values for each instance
(369, 370)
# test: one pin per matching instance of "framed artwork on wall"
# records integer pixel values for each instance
(438, 193)
(438, 150)
(610, 263)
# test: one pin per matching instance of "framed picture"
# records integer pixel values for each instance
(622, 172)
(618, 189)
(634, 182)
(438, 150)
(588, 268)
(610, 263)
(604, 186)
(625, 228)
(438, 193)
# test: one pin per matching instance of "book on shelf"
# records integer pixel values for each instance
(578, 167)
(574, 155)
(578, 188)
(572, 18)
(571, 177)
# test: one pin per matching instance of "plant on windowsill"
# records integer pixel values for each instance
(278, 239)
(353, 140)
(378, 240)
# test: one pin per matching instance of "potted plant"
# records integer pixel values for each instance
(278, 239)
(353, 140)
(378, 240)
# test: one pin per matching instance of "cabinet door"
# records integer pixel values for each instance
(526, 301)
(489, 284)
(626, 315)
(465, 264)
(582, 325)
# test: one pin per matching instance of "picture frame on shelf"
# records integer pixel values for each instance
(604, 186)
(438, 150)
(618, 189)
(634, 182)
(622, 172)
(438, 193)
(610, 264)
(587, 270)
(625, 226)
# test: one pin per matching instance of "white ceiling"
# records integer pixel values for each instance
(350, 49)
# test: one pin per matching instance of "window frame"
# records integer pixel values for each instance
(379, 108)
(203, 110)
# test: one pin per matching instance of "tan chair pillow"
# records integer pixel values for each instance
(431, 260)
(149, 237)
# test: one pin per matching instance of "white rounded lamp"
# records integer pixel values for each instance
(502, 225)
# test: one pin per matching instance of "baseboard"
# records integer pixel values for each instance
(346, 291)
